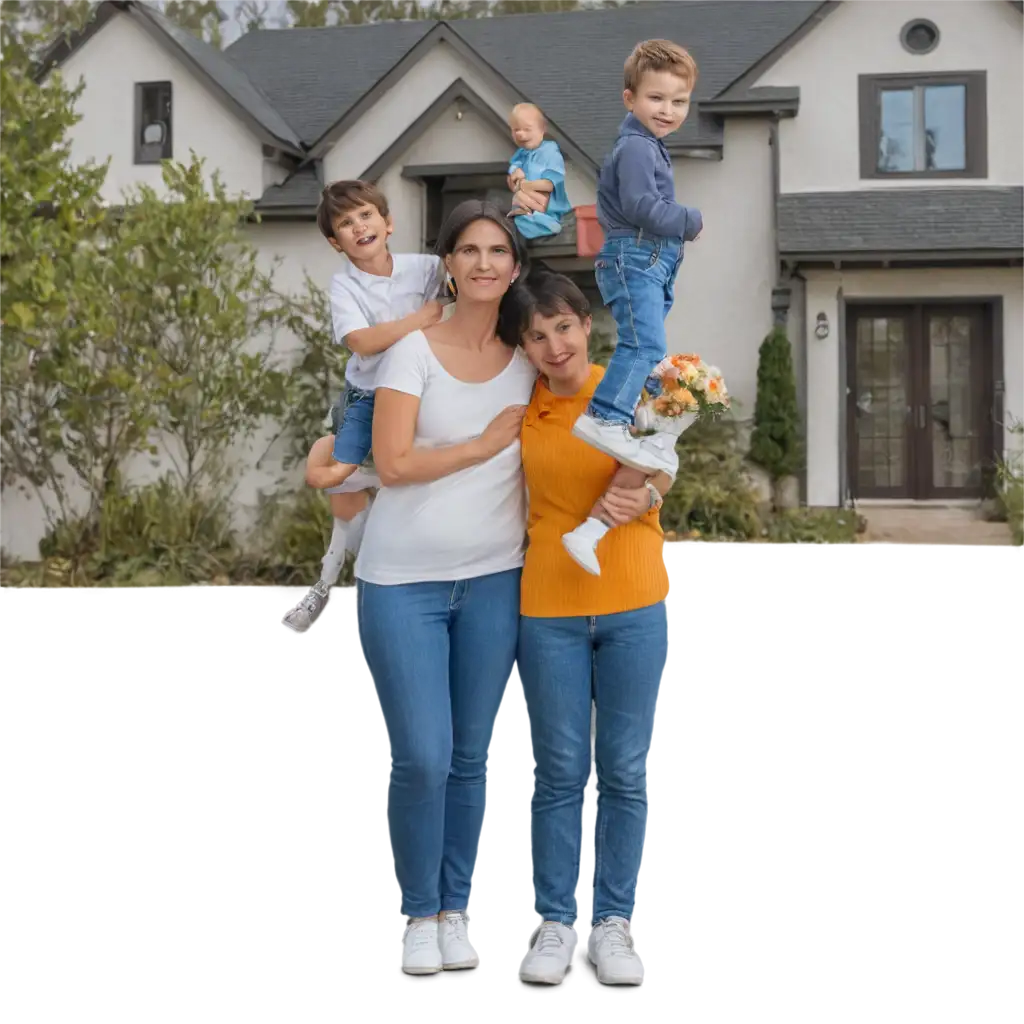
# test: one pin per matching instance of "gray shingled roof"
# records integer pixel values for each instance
(950, 219)
(300, 191)
(569, 64)
(313, 75)
(227, 76)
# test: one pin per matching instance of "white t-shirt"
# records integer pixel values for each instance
(471, 523)
(360, 300)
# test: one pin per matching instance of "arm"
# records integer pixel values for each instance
(640, 199)
(395, 456)
(352, 328)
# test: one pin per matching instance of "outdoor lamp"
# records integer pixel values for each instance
(821, 327)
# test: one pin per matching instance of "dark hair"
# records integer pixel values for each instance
(540, 291)
(341, 196)
(467, 213)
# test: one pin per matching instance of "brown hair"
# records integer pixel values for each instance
(539, 291)
(659, 55)
(341, 196)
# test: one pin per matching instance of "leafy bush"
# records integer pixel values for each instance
(1010, 484)
(712, 493)
(813, 526)
(775, 442)
(290, 539)
(156, 535)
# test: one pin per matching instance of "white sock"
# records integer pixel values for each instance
(335, 557)
(591, 530)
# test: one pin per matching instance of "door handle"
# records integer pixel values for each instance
(922, 416)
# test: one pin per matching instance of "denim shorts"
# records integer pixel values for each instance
(354, 433)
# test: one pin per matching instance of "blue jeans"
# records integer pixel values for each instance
(440, 655)
(352, 436)
(564, 663)
(636, 278)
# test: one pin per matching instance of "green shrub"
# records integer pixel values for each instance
(1010, 484)
(290, 539)
(156, 535)
(712, 493)
(775, 442)
(813, 526)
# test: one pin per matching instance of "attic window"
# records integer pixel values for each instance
(153, 141)
(919, 36)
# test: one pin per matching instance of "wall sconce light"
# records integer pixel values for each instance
(821, 326)
(458, 111)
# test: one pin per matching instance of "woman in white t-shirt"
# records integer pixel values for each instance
(438, 576)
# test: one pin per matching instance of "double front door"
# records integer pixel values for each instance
(919, 386)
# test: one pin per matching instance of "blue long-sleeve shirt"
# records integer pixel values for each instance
(635, 189)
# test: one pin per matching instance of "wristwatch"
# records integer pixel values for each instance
(656, 499)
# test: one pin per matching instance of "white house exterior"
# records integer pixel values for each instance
(780, 153)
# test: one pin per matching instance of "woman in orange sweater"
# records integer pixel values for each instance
(584, 638)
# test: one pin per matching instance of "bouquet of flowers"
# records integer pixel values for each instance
(680, 390)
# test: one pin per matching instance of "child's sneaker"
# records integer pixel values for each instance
(661, 450)
(610, 950)
(614, 439)
(581, 544)
(308, 610)
(457, 952)
(551, 948)
(420, 951)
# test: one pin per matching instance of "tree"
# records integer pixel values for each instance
(50, 215)
(198, 301)
(202, 18)
(252, 15)
(775, 442)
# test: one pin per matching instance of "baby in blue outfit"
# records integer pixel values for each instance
(536, 175)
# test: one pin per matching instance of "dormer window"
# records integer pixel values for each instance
(153, 141)
(923, 126)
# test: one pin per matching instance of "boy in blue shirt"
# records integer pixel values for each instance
(644, 229)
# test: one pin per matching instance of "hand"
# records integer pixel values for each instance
(536, 202)
(431, 312)
(624, 504)
(502, 431)
(516, 176)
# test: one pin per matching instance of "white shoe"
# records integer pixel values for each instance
(581, 544)
(661, 449)
(457, 952)
(610, 950)
(421, 953)
(308, 610)
(551, 948)
(614, 439)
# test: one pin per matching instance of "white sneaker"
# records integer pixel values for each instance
(610, 950)
(421, 953)
(308, 610)
(551, 948)
(457, 952)
(581, 544)
(614, 439)
(661, 450)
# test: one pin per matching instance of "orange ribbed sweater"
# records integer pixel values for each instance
(564, 477)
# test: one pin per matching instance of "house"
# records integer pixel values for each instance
(859, 167)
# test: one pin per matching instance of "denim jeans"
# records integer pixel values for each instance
(564, 663)
(440, 655)
(636, 278)
(352, 436)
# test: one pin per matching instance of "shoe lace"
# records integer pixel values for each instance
(548, 938)
(616, 936)
(420, 936)
(458, 920)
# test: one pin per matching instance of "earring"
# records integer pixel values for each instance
(450, 285)
(515, 277)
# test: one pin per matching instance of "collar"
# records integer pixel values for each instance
(368, 279)
(632, 125)
(546, 401)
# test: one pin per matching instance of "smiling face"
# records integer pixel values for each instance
(557, 347)
(482, 262)
(361, 233)
(660, 102)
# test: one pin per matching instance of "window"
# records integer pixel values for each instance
(153, 141)
(923, 126)
(921, 36)
(445, 193)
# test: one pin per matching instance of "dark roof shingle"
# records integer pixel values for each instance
(952, 219)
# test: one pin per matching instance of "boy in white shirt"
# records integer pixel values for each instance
(376, 299)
